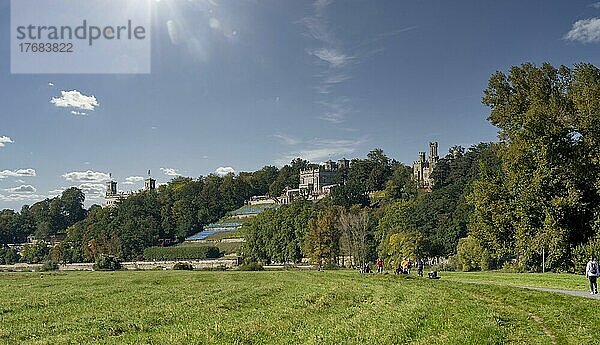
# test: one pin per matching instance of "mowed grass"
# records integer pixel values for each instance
(545, 280)
(282, 307)
(225, 248)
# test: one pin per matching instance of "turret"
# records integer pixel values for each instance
(149, 183)
(343, 163)
(421, 157)
(433, 151)
(111, 188)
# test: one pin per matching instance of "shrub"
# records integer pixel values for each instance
(34, 253)
(183, 266)
(107, 263)
(451, 264)
(181, 253)
(49, 265)
(329, 266)
(513, 266)
(471, 256)
(8, 256)
(251, 266)
(582, 252)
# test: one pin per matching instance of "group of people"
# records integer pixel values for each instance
(404, 267)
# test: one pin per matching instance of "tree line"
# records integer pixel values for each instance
(532, 196)
(377, 211)
(533, 193)
(172, 212)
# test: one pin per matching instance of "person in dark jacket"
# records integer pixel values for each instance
(420, 267)
(592, 272)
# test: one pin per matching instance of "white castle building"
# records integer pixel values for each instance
(113, 196)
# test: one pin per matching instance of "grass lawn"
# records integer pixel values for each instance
(223, 235)
(283, 307)
(546, 280)
(225, 247)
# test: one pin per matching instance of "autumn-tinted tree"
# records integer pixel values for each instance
(547, 196)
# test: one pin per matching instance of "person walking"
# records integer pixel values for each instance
(420, 267)
(591, 272)
(379, 265)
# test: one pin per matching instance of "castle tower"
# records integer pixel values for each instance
(330, 165)
(111, 188)
(433, 151)
(421, 157)
(344, 163)
(149, 183)
(433, 154)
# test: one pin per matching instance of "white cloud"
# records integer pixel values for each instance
(336, 78)
(222, 171)
(21, 197)
(55, 192)
(332, 56)
(318, 150)
(170, 172)
(334, 61)
(173, 30)
(585, 31)
(50, 84)
(75, 99)
(92, 189)
(214, 23)
(17, 173)
(86, 176)
(287, 139)
(5, 140)
(26, 188)
(133, 179)
(336, 110)
(78, 113)
(317, 25)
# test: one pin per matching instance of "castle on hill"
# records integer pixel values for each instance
(313, 184)
(113, 196)
(422, 168)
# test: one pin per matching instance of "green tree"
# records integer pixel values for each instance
(34, 253)
(548, 130)
(322, 243)
(357, 234)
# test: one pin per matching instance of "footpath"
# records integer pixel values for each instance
(578, 293)
(585, 294)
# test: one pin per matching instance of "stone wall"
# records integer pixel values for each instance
(228, 263)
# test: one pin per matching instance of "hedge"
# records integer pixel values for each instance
(179, 253)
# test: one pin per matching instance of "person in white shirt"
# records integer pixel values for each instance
(591, 272)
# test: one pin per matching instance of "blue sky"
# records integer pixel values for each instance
(243, 84)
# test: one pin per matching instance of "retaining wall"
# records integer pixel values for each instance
(134, 265)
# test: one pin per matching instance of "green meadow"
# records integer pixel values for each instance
(291, 307)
